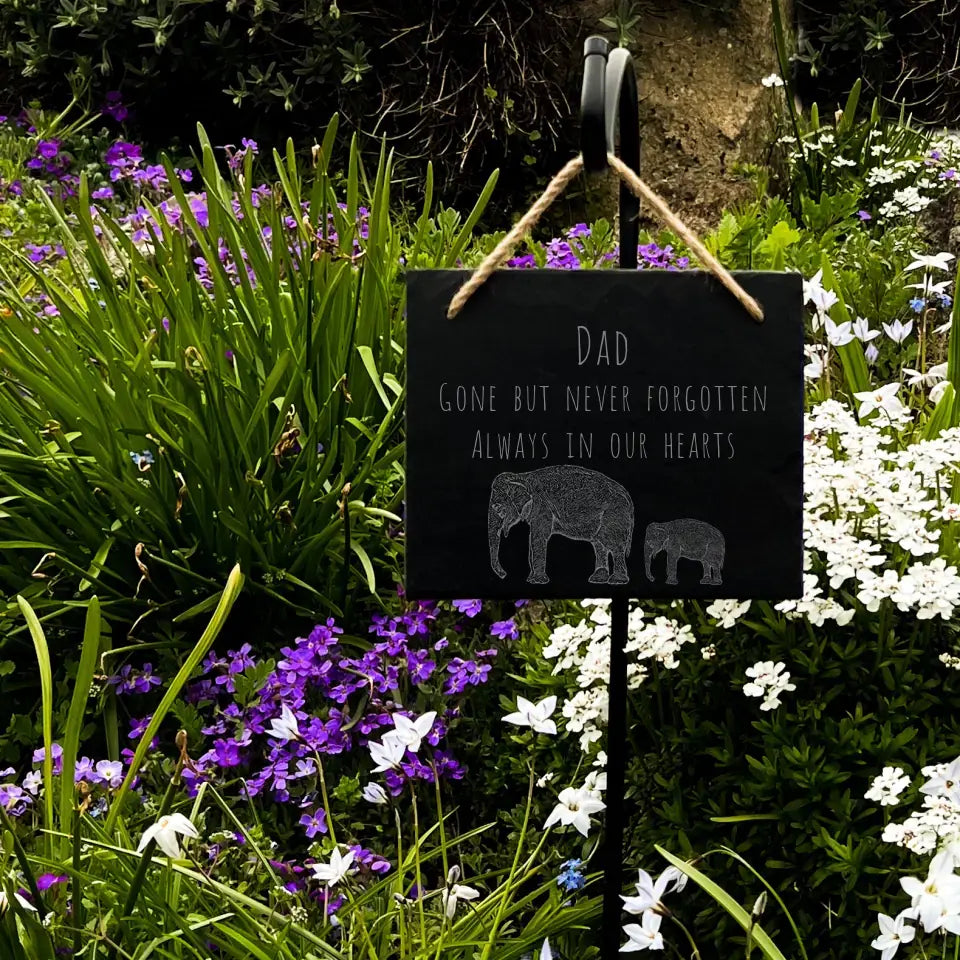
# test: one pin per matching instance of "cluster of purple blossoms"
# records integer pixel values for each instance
(129, 680)
(17, 798)
(340, 699)
(236, 156)
(570, 252)
(44, 252)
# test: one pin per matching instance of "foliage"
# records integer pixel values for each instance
(467, 85)
(247, 884)
(903, 49)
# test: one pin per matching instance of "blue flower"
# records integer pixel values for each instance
(571, 876)
(917, 304)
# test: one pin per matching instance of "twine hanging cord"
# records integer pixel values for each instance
(502, 251)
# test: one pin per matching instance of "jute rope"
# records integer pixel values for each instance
(502, 251)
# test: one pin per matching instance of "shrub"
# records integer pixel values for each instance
(905, 50)
(468, 85)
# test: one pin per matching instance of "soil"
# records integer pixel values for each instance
(703, 109)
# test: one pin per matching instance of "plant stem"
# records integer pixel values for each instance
(326, 799)
(416, 860)
(488, 946)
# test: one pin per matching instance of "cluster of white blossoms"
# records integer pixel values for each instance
(873, 518)
(768, 680)
(887, 787)
(584, 649)
(937, 821)
(874, 513)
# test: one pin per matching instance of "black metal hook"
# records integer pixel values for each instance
(609, 95)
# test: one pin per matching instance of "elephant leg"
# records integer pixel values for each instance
(708, 569)
(620, 574)
(672, 557)
(540, 531)
(601, 573)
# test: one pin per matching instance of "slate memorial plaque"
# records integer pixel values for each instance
(604, 433)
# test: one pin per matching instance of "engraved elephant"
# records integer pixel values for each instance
(570, 501)
(691, 539)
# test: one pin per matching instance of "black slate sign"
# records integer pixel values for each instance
(604, 433)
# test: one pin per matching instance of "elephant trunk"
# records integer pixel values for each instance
(494, 531)
(650, 549)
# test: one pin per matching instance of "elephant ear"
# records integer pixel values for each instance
(521, 497)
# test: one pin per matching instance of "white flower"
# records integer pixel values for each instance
(644, 935)
(545, 779)
(938, 895)
(334, 871)
(773, 80)
(454, 893)
(822, 300)
(892, 934)
(769, 681)
(936, 261)
(165, 831)
(374, 793)
(861, 330)
(938, 390)
(386, 755)
(535, 716)
(881, 398)
(945, 783)
(410, 732)
(817, 355)
(838, 335)
(649, 893)
(933, 376)
(285, 727)
(4, 903)
(897, 331)
(887, 787)
(545, 952)
(574, 809)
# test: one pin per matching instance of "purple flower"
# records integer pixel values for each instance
(468, 607)
(505, 630)
(139, 727)
(48, 149)
(314, 823)
(948, 174)
(56, 751)
(110, 772)
(113, 107)
(464, 673)
(47, 880)
(864, 215)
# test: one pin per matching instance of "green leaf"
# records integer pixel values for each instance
(46, 695)
(737, 912)
(230, 593)
(89, 653)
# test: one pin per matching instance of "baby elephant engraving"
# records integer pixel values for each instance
(570, 501)
(691, 539)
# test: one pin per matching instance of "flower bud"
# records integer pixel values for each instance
(453, 875)
(760, 905)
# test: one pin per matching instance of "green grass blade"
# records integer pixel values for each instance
(230, 593)
(46, 694)
(78, 702)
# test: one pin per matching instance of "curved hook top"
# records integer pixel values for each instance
(608, 100)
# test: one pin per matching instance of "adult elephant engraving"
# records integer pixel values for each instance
(570, 501)
(691, 539)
